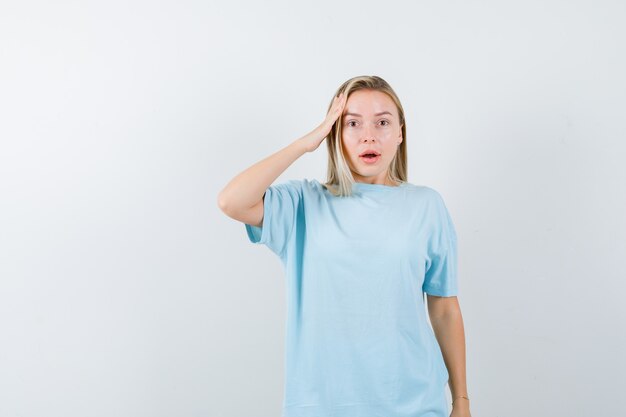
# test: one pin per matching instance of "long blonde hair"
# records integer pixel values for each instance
(339, 177)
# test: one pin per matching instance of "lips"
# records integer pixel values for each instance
(370, 157)
(370, 153)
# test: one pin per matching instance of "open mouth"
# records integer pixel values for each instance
(370, 157)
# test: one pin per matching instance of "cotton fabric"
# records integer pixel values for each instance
(358, 343)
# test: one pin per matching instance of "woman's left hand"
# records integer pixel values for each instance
(460, 410)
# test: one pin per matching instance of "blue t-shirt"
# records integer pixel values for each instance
(358, 343)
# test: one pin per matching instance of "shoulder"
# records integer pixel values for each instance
(423, 192)
(288, 185)
(428, 199)
(297, 187)
(308, 186)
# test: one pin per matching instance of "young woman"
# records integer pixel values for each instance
(360, 251)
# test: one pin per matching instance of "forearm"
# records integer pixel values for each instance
(450, 334)
(248, 187)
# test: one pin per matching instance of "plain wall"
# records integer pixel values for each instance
(125, 291)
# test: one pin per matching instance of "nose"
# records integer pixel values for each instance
(367, 134)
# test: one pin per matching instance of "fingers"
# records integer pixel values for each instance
(340, 106)
(336, 109)
(339, 101)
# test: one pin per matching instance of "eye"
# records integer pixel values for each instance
(385, 122)
(351, 121)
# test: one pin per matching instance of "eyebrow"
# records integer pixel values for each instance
(377, 114)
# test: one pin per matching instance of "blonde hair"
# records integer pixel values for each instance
(339, 177)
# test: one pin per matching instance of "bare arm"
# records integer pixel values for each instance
(447, 321)
(242, 198)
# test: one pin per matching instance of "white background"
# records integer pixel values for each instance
(125, 291)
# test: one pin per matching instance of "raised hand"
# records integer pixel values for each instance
(312, 140)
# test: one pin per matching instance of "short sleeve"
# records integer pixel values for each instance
(441, 270)
(281, 203)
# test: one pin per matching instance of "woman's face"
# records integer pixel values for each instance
(370, 121)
